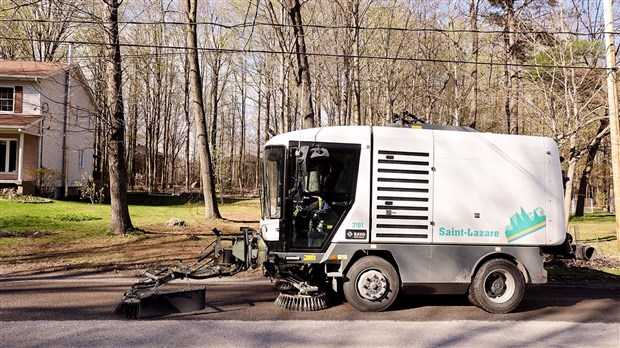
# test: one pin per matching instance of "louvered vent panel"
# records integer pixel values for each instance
(402, 196)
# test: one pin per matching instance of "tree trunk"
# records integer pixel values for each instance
(214, 91)
(169, 153)
(303, 71)
(188, 122)
(456, 119)
(357, 93)
(268, 95)
(283, 117)
(133, 133)
(202, 143)
(120, 221)
(512, 72)
(603, 130)
(232, 174)
(346, 93)
(473, 23)
(570, 174)
(258, 131)
(241, 170)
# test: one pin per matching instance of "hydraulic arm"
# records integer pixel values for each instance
(225, 256)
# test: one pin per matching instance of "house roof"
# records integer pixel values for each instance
(16, 121)
(28, 69)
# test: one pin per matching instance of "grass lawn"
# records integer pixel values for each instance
(72, 237)
(597, 230)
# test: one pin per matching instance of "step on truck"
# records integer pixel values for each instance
(370, 211)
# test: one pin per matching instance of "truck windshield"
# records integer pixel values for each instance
(272, 189)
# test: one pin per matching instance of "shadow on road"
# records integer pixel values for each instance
(253, 299)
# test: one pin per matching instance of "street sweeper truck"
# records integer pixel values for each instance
(368, 212)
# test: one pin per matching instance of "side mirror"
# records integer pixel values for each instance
(319, 152)
(316, 156)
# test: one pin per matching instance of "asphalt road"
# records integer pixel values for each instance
(240, 312)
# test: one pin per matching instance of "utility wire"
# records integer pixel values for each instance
(316, 54)
(315, 26)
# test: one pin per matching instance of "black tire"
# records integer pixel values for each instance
(471, 298)
(497, 287)
(372, 284)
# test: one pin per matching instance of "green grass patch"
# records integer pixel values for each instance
(73, 220)
(68, 236)
(598, 230)
(76, 217)
(600, 217)
(58, 216)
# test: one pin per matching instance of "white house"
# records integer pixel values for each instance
(46, 112)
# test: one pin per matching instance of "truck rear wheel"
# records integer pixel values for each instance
(372, 284)
(498, 287)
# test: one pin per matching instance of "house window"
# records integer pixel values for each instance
(6, 99)
(81, 158)
(8, 156)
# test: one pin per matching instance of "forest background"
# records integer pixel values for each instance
(271, 66)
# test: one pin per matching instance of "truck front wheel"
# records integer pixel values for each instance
(372, 284)
(497, 287)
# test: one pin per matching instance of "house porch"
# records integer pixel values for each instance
(19, 159)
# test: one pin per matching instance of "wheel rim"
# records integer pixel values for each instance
(372, 285)
(499, 286)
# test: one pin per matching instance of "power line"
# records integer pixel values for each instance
(315, 54)
(317, 26)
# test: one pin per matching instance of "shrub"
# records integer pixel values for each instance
(76, 217)
(8, 194)
(88, 189)
(46, 180)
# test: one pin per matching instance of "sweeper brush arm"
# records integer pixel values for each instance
(225, 256)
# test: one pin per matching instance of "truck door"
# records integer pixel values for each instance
(322, 193)
(402, 185)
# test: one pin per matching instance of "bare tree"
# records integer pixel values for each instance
(302, 74)
(356, 21)
(475, 44)
(283, 119)
(571, 100)
(120, 221)
(206, 170)
(511, 59)
(364, 58)
(592, 149)
(188, 121)
(45, 26)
